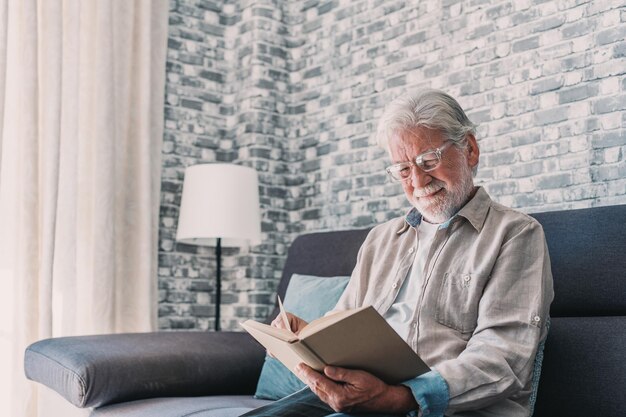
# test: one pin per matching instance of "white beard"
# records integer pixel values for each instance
(445, 204)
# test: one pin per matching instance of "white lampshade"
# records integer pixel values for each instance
(219, 201)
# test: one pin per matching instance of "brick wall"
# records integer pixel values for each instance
(295, 90)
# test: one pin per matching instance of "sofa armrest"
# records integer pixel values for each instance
(90, 371)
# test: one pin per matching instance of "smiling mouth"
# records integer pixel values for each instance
(429, 195)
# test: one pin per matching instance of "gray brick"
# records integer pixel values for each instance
(502, 187)
(546, 117)
(415, 38)
(608, 139)
(549, 23)
(501, 158)
(263, 12)
(209, 5)
(191, 104)
(203, 310)
(341, 184)
(311, 26)
(313, 72)
(577, 62)
(578, 93)
(609, 104)
(525, 44)
(377, 179)
(396, 81)
(552, 181)
(376, 27)
(326, 7)
(579, 28)
(179, 323)
(363, 221)
(529, 200)
(343, 38)
(212, 29)
(499, 11)
(394, 32)
(435, 70)
(213, 76)
(391, 7)
(611, 35)
(605, 173)
(312, 214)
(588, 191)
(480, 116)
(397, 56)
(226, 20)
(522, 170)
(481, 31)
(547, 84)
(194, 36)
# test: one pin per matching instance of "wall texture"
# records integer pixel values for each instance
(295, 89)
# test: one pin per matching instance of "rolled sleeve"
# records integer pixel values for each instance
(430, 391)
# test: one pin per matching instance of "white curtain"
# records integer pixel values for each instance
(81, 122)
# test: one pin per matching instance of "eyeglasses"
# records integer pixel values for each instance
(426, 161)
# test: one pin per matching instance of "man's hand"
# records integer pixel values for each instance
(346, 390)
(295, 323)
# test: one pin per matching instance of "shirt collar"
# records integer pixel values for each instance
(475, 211)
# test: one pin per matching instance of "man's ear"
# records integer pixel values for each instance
(473, 153)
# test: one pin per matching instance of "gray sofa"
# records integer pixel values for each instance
(175, 374)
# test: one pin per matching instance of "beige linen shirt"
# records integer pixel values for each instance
(483, 305)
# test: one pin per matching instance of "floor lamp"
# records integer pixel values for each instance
(219, 206)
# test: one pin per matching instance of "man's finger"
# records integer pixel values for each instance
(349, 376)
(315, 380)
(337, 374)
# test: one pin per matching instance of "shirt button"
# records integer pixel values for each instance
(536, 319)
(411, 250)
(394, 286)
(466, 278)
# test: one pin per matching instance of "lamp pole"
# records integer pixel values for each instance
(218, 284)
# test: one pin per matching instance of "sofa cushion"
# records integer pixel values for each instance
(214, 406)
(583, 368)
(308, 297)
(91, 371)
(587, 253)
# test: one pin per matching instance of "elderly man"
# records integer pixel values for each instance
(464, 280)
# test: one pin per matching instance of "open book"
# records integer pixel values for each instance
(355, 339)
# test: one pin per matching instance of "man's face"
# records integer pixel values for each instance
(440, 193)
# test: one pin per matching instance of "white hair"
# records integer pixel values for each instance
(428, 108)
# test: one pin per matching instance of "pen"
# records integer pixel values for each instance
(283, 314)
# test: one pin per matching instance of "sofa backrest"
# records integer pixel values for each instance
(584, 368)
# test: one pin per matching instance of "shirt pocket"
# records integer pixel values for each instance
(457, 303)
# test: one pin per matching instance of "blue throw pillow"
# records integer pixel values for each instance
(308, 297)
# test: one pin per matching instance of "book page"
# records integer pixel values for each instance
(282, 350)
(281, 334)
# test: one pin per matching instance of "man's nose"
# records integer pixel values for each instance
(419, 178)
